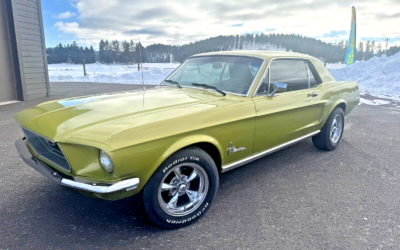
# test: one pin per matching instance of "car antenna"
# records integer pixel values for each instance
(141, 65)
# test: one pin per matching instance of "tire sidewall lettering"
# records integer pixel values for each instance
(198, 214)
(179, 160)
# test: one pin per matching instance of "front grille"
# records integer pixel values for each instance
(47, 149)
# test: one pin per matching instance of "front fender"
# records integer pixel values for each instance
(182, 143)
(143, 160)
(187, 141)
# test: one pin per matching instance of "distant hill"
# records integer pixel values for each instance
(128, 52)
(329, 52)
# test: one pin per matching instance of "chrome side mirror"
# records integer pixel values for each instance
(278, 85)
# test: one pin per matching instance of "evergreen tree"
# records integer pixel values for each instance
(140, 53)
(373, 48)
(102, 49)
(125, 52)
(367, 54)
(115, 51)
(360, 51)
(92, 55)
(108, 56)
(379, 51)
(393, 50)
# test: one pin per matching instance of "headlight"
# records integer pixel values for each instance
(106, 162)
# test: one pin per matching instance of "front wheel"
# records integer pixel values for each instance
(182, 189)
(331, 132)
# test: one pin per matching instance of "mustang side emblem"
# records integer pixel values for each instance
(232, 149)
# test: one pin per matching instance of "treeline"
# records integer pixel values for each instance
(393, 50)
(131, 52)
(328, 52)
(125, 52)
(70, 53)
(296, 43)
(367, 50)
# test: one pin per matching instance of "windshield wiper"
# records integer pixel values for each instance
(209, 87)
(173, 82)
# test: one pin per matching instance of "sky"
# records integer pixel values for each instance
(180, 22)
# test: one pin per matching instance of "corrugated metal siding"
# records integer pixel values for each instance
(7, 87)
(31, 48)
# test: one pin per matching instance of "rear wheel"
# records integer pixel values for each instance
(182, 189)
(331, 132)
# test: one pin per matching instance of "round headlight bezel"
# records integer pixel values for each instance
(106, 162)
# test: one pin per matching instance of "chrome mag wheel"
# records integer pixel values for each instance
(183, 189)
(336, 129)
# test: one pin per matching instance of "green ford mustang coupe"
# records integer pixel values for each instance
(216, 112)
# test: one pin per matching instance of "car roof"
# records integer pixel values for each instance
(264, 54)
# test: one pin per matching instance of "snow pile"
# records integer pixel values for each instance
(335, 65)
(153, 73)
(379, 75)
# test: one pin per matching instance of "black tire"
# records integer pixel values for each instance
(323, 140)
(153, 199)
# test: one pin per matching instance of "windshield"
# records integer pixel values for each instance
(233, 74)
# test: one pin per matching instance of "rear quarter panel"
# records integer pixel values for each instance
(333, 94)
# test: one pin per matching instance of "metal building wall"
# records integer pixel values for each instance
(7, 82)
(30, 57)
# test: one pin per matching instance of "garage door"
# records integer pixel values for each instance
(7, 87)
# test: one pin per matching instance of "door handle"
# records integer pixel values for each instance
(312, 95)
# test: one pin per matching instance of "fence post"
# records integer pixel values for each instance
(84, 68)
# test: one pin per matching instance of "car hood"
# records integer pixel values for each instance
(99, 117)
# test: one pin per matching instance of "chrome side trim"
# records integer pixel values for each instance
(267, 152)
(128, 185)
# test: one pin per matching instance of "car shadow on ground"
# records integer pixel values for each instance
(59, 212)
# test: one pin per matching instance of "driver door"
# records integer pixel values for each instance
(289, 114)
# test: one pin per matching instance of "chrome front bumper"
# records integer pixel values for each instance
(53, 175)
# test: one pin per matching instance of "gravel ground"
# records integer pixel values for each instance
(297, 198)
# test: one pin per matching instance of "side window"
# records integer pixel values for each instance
(292, 72)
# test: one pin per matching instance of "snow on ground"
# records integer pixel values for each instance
(335, 65)
(377, 76)
(153, 73)
(375, 102)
